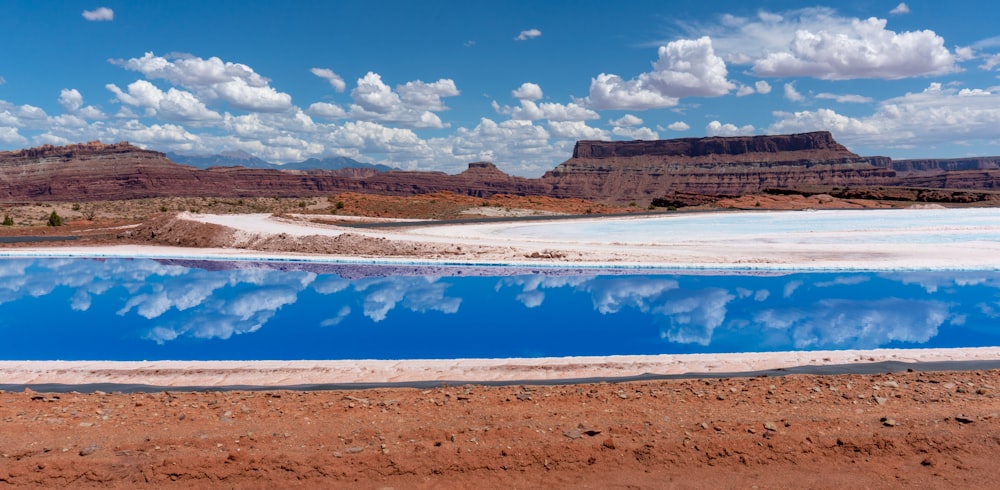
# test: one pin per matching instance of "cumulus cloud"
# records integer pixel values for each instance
(327, 110)
(626, 121)
(531, 110)
(528, 34)
(527, 91)
(71, 99)
(576, 130)
(900, 9)
(635, 133)
(678, 126)
(792, 94)
(11, 136)
(685, 68)
(213, 79)
(818, 42)
(99, 14)
(716, 128)
(762, 87)
(332, 78)
(938, 114)
(173, 105)
(413, 105)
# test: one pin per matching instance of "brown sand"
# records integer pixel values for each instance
(907, 429)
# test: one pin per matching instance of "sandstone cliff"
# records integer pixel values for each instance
(732, 166)
(682, 171)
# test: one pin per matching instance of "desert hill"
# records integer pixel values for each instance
(698, 169)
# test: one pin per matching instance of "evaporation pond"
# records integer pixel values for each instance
(125, 309)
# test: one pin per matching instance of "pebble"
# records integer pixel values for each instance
(87, 451)
(770, 426)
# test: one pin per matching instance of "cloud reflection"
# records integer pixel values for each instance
(858, 324)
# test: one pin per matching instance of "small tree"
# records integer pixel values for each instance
(7, 220)
(54, 219)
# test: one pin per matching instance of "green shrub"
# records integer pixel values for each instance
(54, 219)
(7, 220)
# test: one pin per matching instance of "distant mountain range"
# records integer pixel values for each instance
(246, 160)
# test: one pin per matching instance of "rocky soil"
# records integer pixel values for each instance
(907, 429)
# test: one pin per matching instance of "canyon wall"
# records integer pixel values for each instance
(619, 171)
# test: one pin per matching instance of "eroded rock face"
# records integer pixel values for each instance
(712, 166)
(622, 171)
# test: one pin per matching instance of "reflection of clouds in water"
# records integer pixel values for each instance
(21, 278)
(758, 295)
(692, 316)
(611, 295)
(791, 287)
(852, 280)
(156, 288)
(932, 281)
(210, 315)
(531, 286)
(862, 324)
(341, 315)
(419, 294)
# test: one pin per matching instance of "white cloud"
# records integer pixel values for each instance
(792, 94)
(332, 78)
(576, 130)
(845, 98)
(635, 133)
(685, 68)
(869, 51)
(413, 106)
(745, 90)
(10, 136)
(528, 91)
(626, 120)
(327, 110)
(213, 80)
(3, 80)
(900, 9)
(528, 34)
(935, 115)
(762, 87)
(530, 110)
(99, 14)
(678, 126)
(71, 99)
(715, 128)
(990, 62)
(427, 96)
(612, 92)
(818, 42)
(172, 105)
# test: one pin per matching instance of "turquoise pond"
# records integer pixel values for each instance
(144, 309)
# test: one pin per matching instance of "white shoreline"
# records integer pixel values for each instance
(291, 373)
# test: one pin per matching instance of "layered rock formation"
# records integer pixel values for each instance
(682, 171)
(625, 170)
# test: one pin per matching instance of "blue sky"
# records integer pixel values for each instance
(435, 85)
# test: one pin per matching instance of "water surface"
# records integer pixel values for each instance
(123, 309)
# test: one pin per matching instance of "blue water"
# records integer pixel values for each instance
(121, 309)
